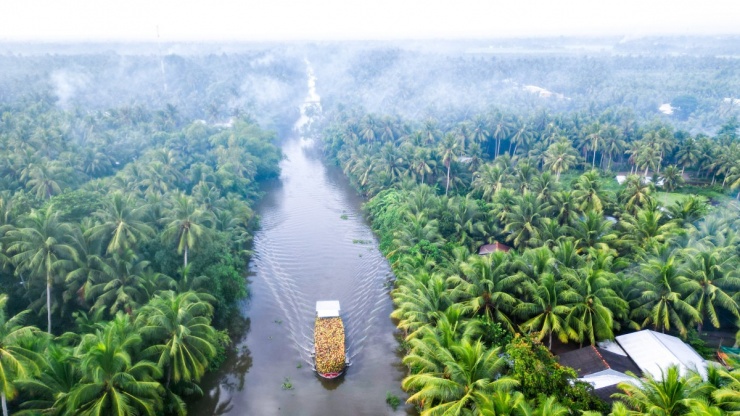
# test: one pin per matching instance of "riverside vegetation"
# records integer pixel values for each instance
(589, 257)
(123, 246)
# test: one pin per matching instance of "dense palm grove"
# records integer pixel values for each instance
(590, 257)
(123, 243)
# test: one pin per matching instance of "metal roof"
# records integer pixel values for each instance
(654, 352)
(607, 378)
(327, 308)
(611, 346)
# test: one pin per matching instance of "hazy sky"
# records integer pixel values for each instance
(98, 20)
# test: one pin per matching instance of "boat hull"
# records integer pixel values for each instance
(330, 376)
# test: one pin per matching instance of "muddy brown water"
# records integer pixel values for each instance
(313, 244)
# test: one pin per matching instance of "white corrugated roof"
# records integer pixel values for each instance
(654, 352)
(327, 308)
(611, 346)
(606, 378)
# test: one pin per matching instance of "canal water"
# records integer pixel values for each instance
(313, 244)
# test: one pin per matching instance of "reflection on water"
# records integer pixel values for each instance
(313, 245)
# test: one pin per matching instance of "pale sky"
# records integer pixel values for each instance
(250, 20)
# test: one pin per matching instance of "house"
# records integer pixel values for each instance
(641, 353)
(654, 352)
(603, 368)
(491, 248)
(593, 359)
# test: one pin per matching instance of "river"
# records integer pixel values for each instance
(313, 244)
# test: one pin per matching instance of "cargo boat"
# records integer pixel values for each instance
(328, 338)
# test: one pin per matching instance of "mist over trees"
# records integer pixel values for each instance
(129, 174)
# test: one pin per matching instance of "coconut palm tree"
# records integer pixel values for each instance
(593, 311)
(662, 303)
(560, 156)
(524, 220)
(636, 192)
(121, 224)
(185, 224)
(594, 231)
(418, 298)
(470, 374)
(179, 328)
(501, 129)
(43, 249)
(648, 156)
(733, 177)
(49, 390)
(595, 140)
(727, 396)
(112, 382)
(417, 228)
(547, 407)
(671, 178)
(45, 179)
(16, 362)
(587, 192)
(503, 402)
(448, 149)
(120, 286)
(490, 179)
(487, 287)
(548, 308)
(688, 210)
(521, 137)
(422, 162)
(646, 229)
(673, 394)
(712, 271)
(565, 206)
(480, 129)
(468, 221)
(613, 144)
(688, 154)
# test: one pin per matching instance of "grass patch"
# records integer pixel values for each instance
(670, 198)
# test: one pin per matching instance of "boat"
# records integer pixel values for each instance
(328, 337)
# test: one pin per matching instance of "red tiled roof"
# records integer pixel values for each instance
(490, 248)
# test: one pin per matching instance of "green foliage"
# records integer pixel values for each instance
(494, 334)
(287, 384)
(221, 342)
(392, 400)
(693, 338)
(539, 374)
(76, 205)
(570, 238)
(684, 106)
(93, 254)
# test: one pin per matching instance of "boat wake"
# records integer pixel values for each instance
(311, 247)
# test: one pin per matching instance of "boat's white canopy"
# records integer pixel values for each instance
(327, 308)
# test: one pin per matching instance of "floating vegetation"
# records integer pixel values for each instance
(344, 216)
(362, 241)
(392, 400)
(287, 385)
